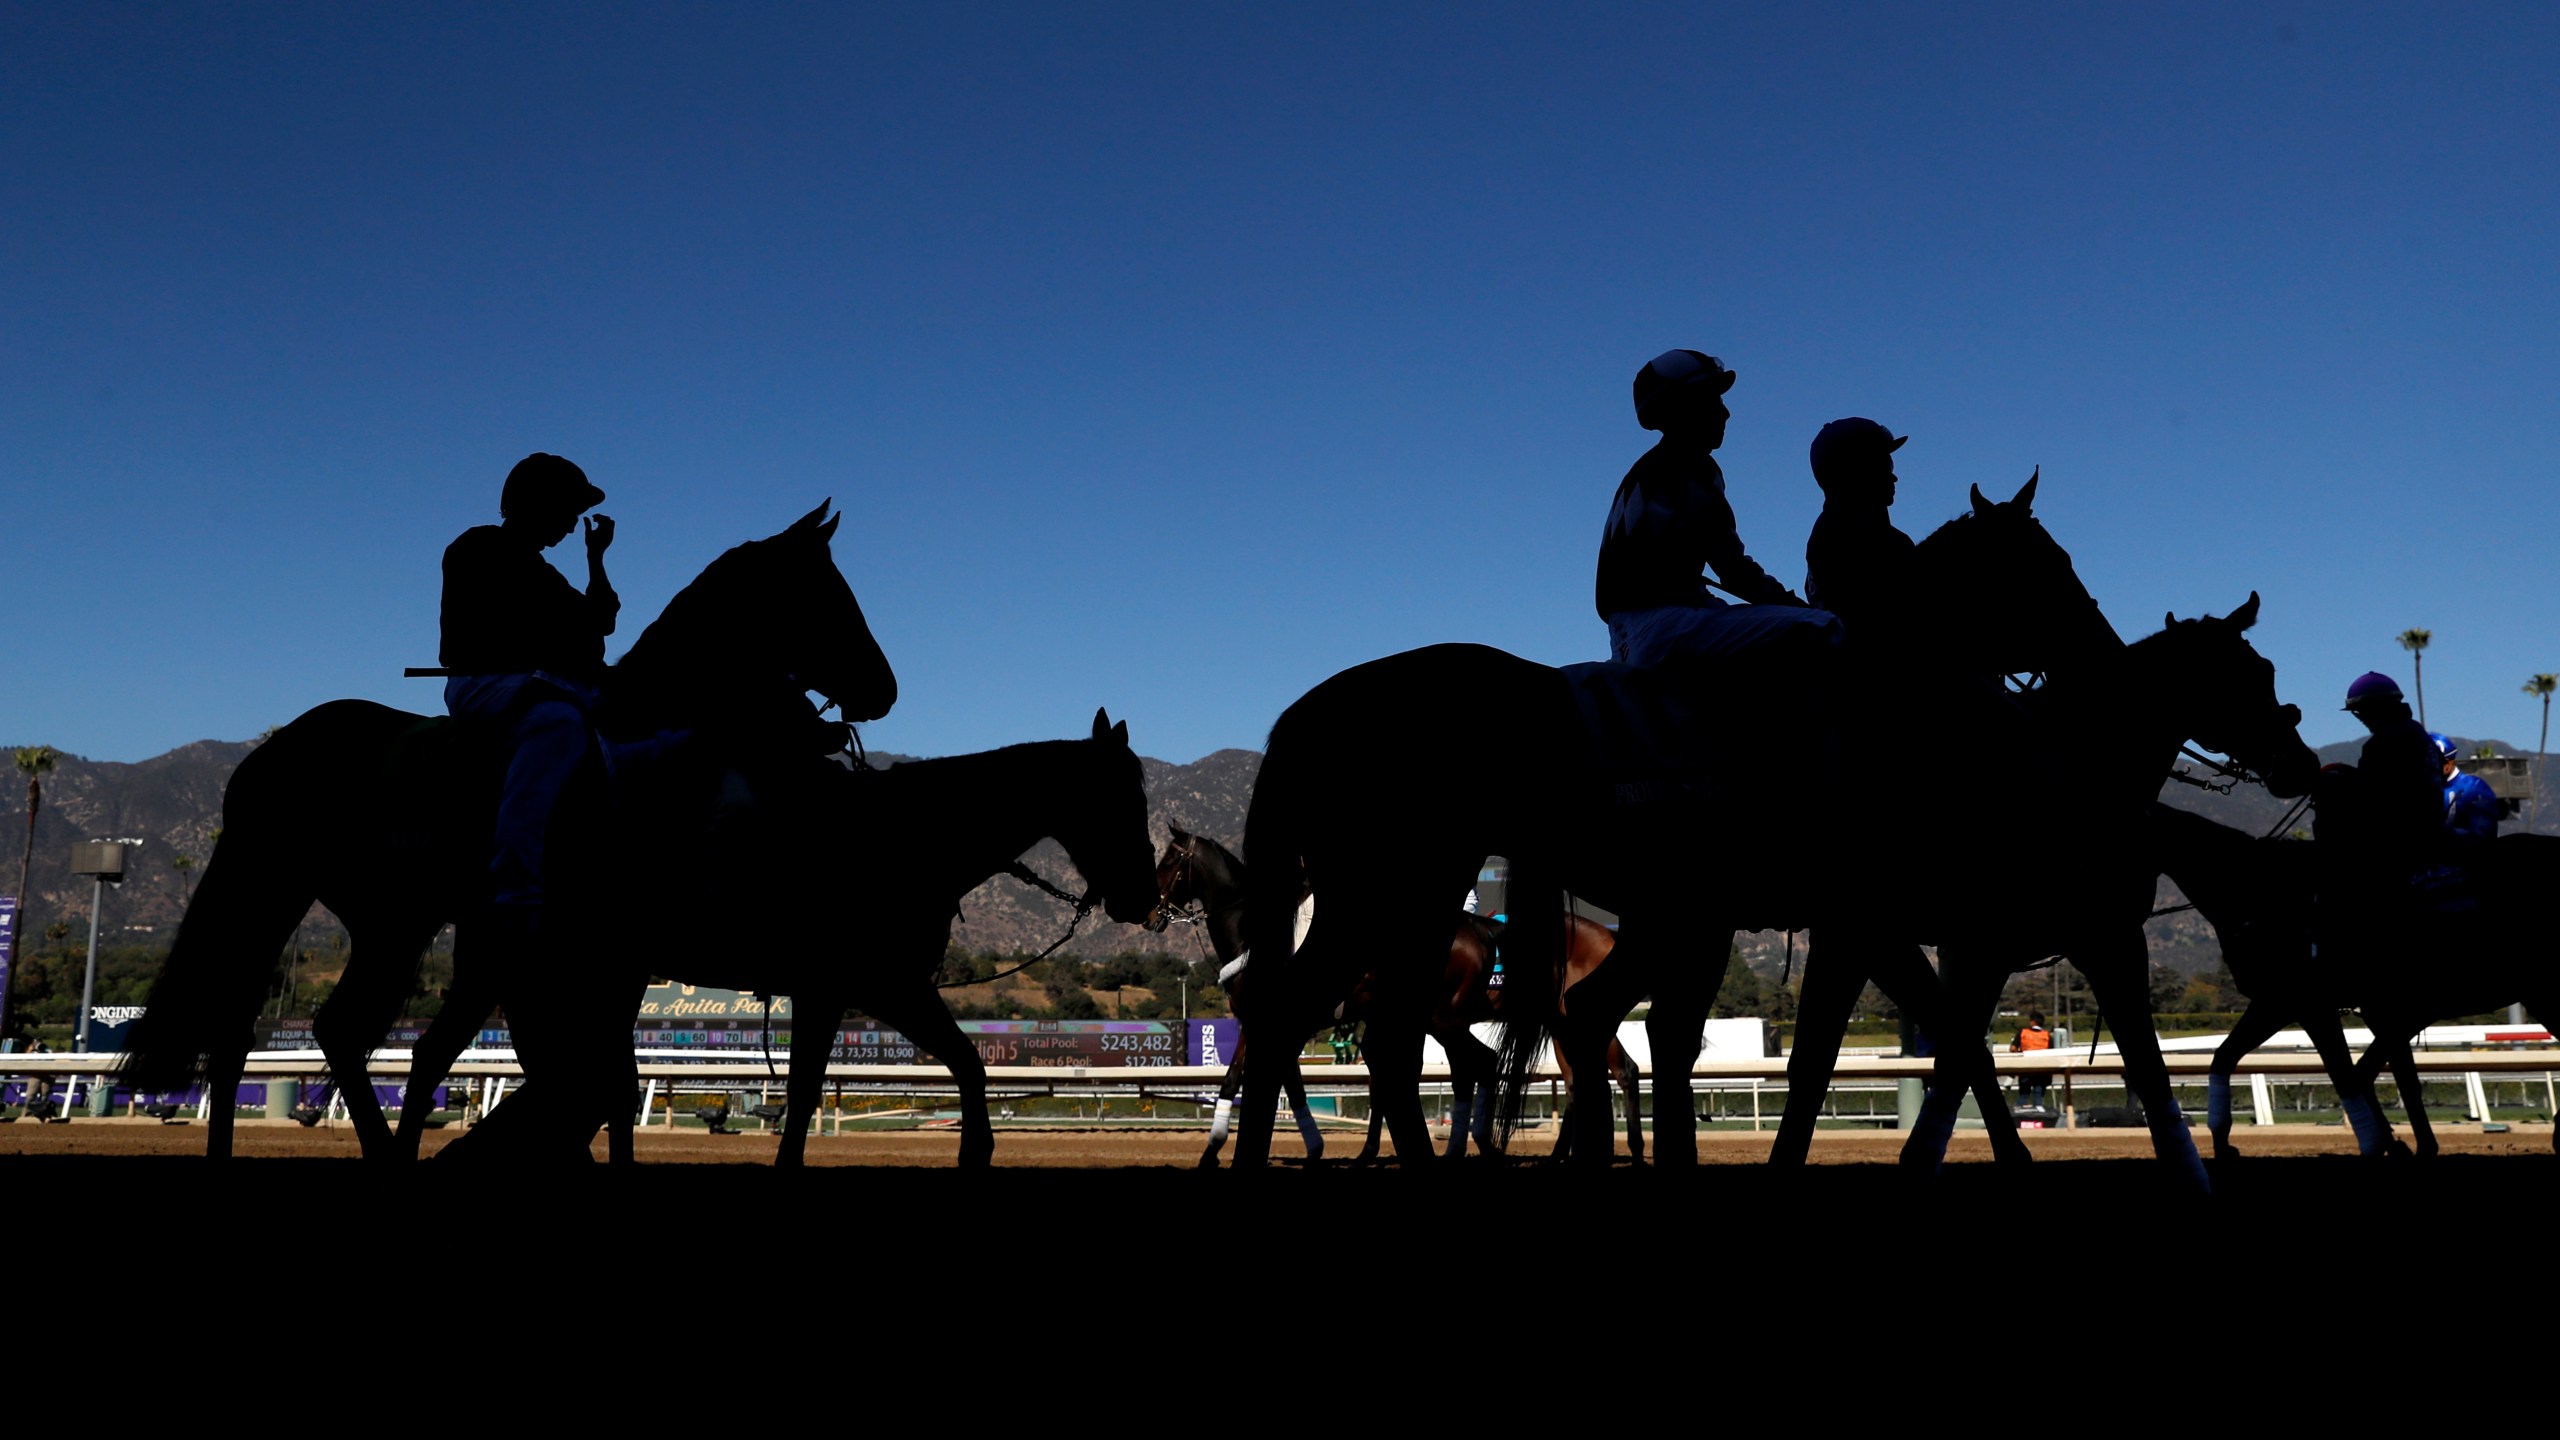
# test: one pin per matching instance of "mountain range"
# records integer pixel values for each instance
(172, 804)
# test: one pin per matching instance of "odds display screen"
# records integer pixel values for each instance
(718, 1024)
(1093, 1044)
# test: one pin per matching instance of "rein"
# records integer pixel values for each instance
(1084, 906)
(2232, 775)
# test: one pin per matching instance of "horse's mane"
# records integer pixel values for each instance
(1950, 532)
(697, 615)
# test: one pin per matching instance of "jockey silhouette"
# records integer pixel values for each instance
(1670, 523)
(2381, 820)
(526, 650)
(1857, 565)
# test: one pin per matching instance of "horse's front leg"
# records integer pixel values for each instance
(466, 1004)
(2121, 977)
(1228, 1085)
(222, 1074)
(1969, 990)
(2256, 1025)
(921, 1017)
(1835, 973)
(2413, 1098)
(348, 1027)
(2355, 1092)
(1295, 1086)
(1903, 974)
(813, 1037)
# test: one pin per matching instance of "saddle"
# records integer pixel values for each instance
(1653, 744)
(1679, 771)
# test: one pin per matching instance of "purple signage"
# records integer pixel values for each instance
(1214, 1042)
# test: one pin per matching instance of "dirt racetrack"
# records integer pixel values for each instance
(1079, 1224)
(1102, 1147)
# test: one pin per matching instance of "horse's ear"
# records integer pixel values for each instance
(2245, 616)
(2168, 618)
(827, 531)
(809, 522)
(1176, 831)
(1980, 505)
(1101, 723)
(1120, 732)
(2027, 494)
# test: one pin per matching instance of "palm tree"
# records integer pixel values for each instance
(2415, 642)
(185, 865)
(2541, 685)
(35, 762)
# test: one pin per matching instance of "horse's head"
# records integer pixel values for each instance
(2006, 596)
(2225, 697)
(771, 610)
(1105, 829)
(825, 641)
(1176, 883)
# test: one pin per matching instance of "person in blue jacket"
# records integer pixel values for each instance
(525, 649)
(2470, 806)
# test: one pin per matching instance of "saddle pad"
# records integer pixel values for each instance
(1650, 742)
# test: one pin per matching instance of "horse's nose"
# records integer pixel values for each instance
(2292, 715)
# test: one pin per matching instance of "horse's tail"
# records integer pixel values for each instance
(1533, 954)
(208, 992)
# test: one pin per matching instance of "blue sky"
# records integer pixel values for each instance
(1171, 358)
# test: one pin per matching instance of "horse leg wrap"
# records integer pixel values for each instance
(2176, 1147)
(1218, 1125)
(1308, 1132)
(1461, 1120)
(2217, 1105)
(1934, 1129)
(2372, 1136)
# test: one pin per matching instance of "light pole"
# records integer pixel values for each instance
(103, 862)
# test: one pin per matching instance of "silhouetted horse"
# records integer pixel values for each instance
(2258, 896)
(1520, 773)
(909, 843)
(1195, 870)
(385, 817)
(2005, 600)
(2084, 889)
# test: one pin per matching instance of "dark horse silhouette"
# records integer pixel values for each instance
(384, 816)
(1520, 774)
(913, 840)
(2084, 889)
(2003, 599)
(2257, 894)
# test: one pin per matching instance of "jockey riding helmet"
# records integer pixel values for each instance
(547, 482)
(1670, 373)
(2370, 687)
(1843, 443)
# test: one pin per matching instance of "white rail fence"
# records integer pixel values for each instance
(487, 1075)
